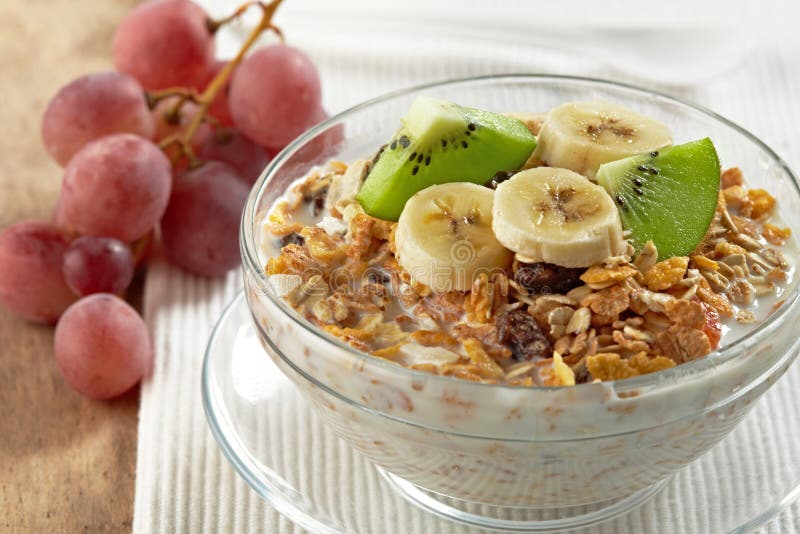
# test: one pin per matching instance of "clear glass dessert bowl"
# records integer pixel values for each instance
(605, 445)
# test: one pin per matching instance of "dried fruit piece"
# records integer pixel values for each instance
(547, 277)
(520, 330)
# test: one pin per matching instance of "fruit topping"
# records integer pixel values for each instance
(667, 196)
(556, 216)
(581, 136)
(444, 236)
(441, 142)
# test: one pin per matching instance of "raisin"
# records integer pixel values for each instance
(499, 178)
(582, 375)
(292, 239)
(518, 329)
(319, 203)
(548, 278)
(317, 200)
(379, 277)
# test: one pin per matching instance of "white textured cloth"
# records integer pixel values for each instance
(183, 483)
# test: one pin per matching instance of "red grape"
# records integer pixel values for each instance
(117, 186)
(102, 346)
(219, 107)
(275, 92)
(31, 284)
(165, 43)
(93, 106)
(98, 265)
(200, 228)
(229, 146)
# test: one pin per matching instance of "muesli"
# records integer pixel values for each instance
(554, 250)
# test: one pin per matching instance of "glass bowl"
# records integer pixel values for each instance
(606, 445)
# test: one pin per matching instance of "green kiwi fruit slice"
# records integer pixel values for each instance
(668, 196)
(442, 142)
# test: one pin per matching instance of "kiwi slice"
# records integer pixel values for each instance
(668, 196)
(442, 142)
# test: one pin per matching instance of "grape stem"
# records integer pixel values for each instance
(183, 139)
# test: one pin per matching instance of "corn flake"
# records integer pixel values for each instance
(762, 203)
(555, 372)
(600, 276)
(280, 220)
(484, 363)
(609, 302)
(683, 343)
(611, 366)
(686, 313)
(731, 177)
(666, 273)
(775, 235)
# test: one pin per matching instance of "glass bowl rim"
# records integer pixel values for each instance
(249, 248)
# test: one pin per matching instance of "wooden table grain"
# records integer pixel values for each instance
(67, 464)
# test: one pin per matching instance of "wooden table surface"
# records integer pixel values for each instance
(67, 464)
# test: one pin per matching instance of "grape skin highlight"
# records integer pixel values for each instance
(98, 265)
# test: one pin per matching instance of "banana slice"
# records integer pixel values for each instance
(444, 236)
(557, 216)
(581, 136)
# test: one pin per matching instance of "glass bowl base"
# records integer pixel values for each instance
(518, 518)
(282, 449)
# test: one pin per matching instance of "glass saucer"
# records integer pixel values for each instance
(283, 451)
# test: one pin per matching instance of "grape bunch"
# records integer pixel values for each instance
(165, 146)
